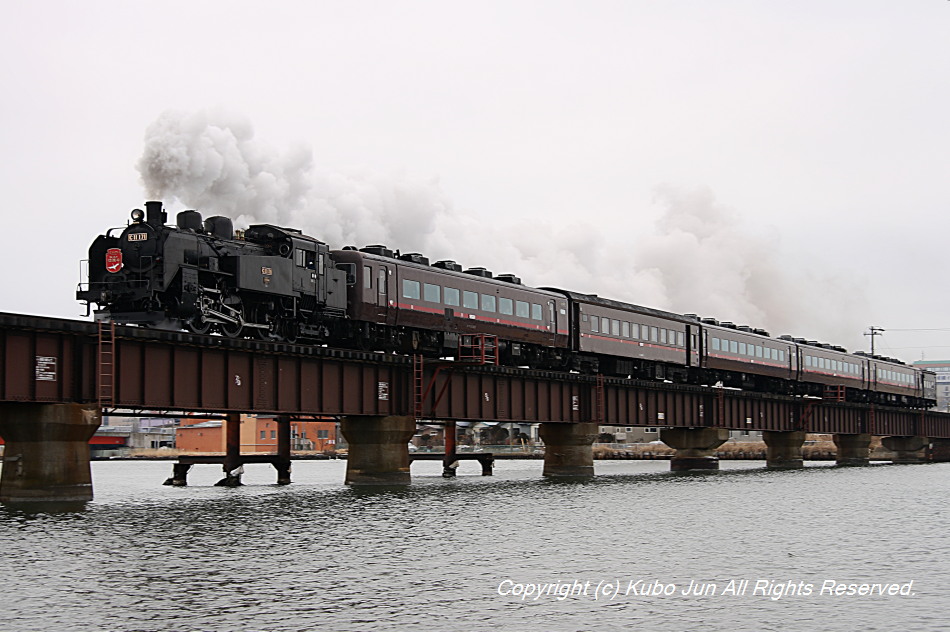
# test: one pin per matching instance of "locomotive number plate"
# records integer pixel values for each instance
(266, 270)
(138, 236)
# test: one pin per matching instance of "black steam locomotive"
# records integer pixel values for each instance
(273, 283)
(278, 284)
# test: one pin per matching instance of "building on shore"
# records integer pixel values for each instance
(258, 434)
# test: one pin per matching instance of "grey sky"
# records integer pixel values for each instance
(778, 162)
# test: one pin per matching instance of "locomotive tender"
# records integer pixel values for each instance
(276, 283)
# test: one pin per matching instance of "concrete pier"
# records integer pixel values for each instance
(695, 447)
(784, 449)
(568, 449)
(853, 449)
(378, 449)
(939, 451)
(46, 457)
(907, 449)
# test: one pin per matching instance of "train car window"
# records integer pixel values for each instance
(615, 327)
(506, 306)
(625, 329)
(432, 293)
(382, 285)
(671, 336)
(733, 346)
(452, 296)
(536, 312)
(663, 336)
(594, 324)
(367, 277)
(715, 344)
(680, 338)
(410, 289)
(299, 257)
(807, 361)
(521, 310)
(469, 299)
(634, 331)
(654, 335)
(488, 302)
(741, 348)
(758, 351)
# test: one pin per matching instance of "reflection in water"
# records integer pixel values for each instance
(431, 556)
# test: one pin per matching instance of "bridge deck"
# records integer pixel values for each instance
(55, 361)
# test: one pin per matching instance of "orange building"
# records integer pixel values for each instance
(258, 434)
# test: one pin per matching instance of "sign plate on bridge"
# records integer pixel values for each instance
(45, 369)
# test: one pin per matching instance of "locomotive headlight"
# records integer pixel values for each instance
(138, 215)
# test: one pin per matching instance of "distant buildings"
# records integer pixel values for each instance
(258, 434)
(942, 369)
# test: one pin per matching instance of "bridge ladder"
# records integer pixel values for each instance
(106, 357)
(720, 408)
(478, 349)
(600, 402)
(834, 393)
(417, 385)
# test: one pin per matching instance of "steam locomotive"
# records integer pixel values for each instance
(276, 283)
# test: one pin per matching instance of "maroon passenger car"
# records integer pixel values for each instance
(403, 303)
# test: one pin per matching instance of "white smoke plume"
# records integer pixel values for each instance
(700, 258)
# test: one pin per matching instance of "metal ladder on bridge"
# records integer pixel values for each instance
(834, 393)
(474, 350)
(106, 364)
(600, 402)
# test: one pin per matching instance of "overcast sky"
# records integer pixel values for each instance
(781, 164)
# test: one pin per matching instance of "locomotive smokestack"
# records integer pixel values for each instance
(154, 215)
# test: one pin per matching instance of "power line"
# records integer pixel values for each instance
(919, 329)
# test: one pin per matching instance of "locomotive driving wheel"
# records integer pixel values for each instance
(259, 316)
(198, 325)
(289, 330)
(235, 329)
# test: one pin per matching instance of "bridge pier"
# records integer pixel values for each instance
(233, 467)
(46, 457)
(282, 465)
(695, 447)
(853, 449)
(784, 449)
(906, 449)
(179, 477)
(450, 462)
(568, 449)
(378, 449)
(939, 450)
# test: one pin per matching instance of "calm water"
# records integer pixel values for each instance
(437, 555)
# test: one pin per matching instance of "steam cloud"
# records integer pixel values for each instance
(699, 260)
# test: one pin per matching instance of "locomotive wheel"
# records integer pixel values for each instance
(259, 316)
(289, 330)
(198, 325)
(233, 330)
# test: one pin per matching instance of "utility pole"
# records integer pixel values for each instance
(874, 331)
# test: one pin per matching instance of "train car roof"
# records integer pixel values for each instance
(445, 272)
(593, 299)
